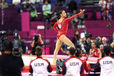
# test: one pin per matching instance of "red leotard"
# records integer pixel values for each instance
(93, 53)
(61, 28)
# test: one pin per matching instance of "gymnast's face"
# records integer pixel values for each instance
(63, 14)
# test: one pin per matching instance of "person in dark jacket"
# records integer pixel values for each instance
(10, 65)
(76, 38)
(112, 38)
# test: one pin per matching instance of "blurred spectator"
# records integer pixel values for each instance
(79, 53)
(3, 37)
(17, 46)
(98, 41)
(112, 48)
(26, 2)
(76, 38)
(54, 17)
(112, 45)
(32, 1)
(83, 33)
(75, 21)
(82, 45)
(82, 18)
(93, 39)
(37, 41)
(104, 41)
(94, 52)
(3, 4)
(102, 3)
(36, 1)
(33, 12)
(10, 65)
(0, 53)
(88, 35)
(112, 38)
(65, 48)
(25, 6)
(106, 10)
(60, 2)
(22, 45)
(40, 1)
(46, 8)
(39, 66)
(72, 5)
(101, 48)
(88, 45)
(109, 10)
(16, 2)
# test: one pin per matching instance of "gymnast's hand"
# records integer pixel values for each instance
(81, 11)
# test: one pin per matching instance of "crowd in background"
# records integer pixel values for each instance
(45, 13)
(106, 9)
(43, 10)
(36, 3)
(87, 44)
(84, 42)
(90, 46)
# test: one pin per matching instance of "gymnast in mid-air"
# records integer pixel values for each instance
(61, 27)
